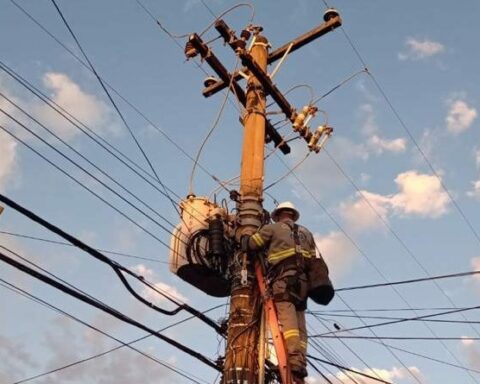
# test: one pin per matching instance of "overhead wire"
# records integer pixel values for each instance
(118, 268)
(104, 144)
(409, 281)
(85, 158)
(209, 133)
(120, 316)
(421, 317)
(46, 304)
(104, 200)
(349, 369)
(139, 146)
(124, 99)
(398, 318)
(451, 198)
(371, 263)
(56, 242)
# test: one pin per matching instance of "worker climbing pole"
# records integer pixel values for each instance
(228, 269)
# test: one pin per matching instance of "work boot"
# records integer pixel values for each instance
(299, 374)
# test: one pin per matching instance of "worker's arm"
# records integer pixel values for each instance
(259, 240)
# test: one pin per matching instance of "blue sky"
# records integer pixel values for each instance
(378, 211)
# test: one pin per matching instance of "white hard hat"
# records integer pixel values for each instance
(285, 205)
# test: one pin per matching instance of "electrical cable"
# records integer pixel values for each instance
(111, 99)
(348, 348)
(110, 311)
(30, 237)
(339, 85)
(91, 134)
(288, 173)
(410, 281)
(46, 304)
(401, 320)
(373, 265)
(348, 369)
(122, 317)
(83, 185)
(98, 168)
(129, 103)
(118, 268)
(214, 126)
(426, 338)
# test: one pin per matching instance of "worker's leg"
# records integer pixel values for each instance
(303, 336)
(287, 317)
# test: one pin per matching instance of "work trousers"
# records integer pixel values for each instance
(290, 294)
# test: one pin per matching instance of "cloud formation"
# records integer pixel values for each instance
(379, 145)
(460, 116)
(8, 156)
(420, 49)
(153, 296)
(375, 143)
(475, 192)
(86, 107)
(338, 252)
(419, 195)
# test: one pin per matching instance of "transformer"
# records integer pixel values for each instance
(198, 247)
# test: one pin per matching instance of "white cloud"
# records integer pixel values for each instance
(391, 375)
(152, 295)
(338, 252)
(419, 194)
(460, 116)
(466, 341)
(475, 192)
(8, 156)
(475, 263)
(476, 154)
(361, 214)
(420, 49)
(379, 145)
(375, 143)
(86, 107)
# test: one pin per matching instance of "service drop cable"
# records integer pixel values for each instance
(112, 312)
(118, 268)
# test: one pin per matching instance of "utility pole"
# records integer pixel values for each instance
(249, 293)
(243, 328)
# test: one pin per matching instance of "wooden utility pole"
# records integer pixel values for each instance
(241, 364)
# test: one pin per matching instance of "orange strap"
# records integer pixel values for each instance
(272, 321)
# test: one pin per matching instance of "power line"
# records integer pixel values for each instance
(89, 132)
(110, 98)
(124, 99)
(98, 168)
(436, 338)
(401, 320)
(349, 369)
(410, 281)
(110, 311)
(118, 268)
(50, 241)
(46, 304)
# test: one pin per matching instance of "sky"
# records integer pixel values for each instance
(394, 196)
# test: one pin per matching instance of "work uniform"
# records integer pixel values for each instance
(287, 265)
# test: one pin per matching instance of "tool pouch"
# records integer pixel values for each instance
(320, 288)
